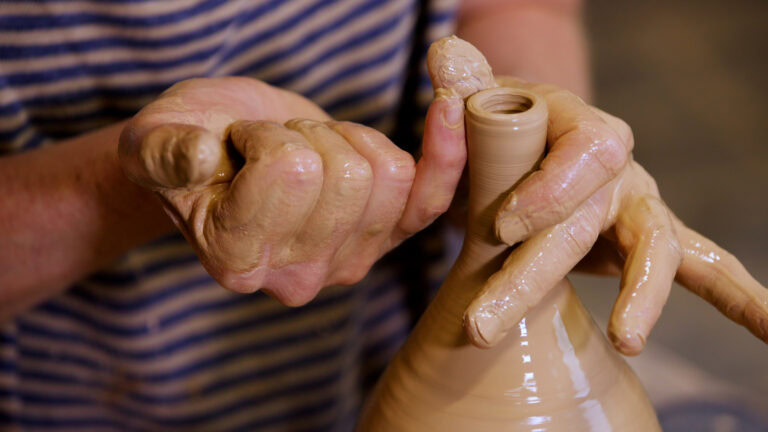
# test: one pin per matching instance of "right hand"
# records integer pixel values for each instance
(312, 203)
(590, 206)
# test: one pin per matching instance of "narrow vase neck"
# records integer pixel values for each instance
(506, 138)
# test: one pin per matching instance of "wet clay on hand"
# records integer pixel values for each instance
(457, 65)
(275, 196)
(591, 206)
(555, 371)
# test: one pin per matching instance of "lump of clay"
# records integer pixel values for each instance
(456, 64)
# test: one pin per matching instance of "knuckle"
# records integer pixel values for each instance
(351, 274)
(307, 287)
(301, 165)
(653, 211)
(357, 169)
(349, 129)
(645, 182)
(297, 285)
(580, 237)
(550, 90)
(605, 146)
(557, 209)
(352, 266)
(239, 281)
(191, 82)
(430, 211)
(610, 154)
(454, 163)
(524, 223)
(261, 126)
(654, 221)
(400, 168)
(649, 203)
(300, 124)
(624, 131)
(512, 295)
(560, 210)
(255, 84)
(253, 133)
(187, 85)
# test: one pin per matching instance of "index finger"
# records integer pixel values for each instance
(587, 149)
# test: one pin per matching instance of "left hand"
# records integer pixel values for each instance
(590, 206)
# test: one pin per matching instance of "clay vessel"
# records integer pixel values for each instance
(556, 372)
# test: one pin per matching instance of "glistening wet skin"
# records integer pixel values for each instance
(557, 372)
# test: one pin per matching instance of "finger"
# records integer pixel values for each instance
(530, 272)
(585, 153)
(615, 123)
(618, 125)
(393, 173)
(646, 233)
(174, 156)
(512, 81)
(277, 186)
(718, 277)
(444, 154)
(347, 180)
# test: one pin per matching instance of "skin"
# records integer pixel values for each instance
(554, 366)
(60, 220)
(619, 203)
(61, 226)
(176, 149)
(315, 203)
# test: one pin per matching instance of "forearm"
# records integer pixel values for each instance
(66, 211)
(541, 41)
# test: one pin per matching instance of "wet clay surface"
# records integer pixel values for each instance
(555, 371)
(457, 65)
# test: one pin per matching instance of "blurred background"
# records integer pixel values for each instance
(691, 78)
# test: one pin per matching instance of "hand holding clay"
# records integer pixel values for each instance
(589, 192)
(275, 196)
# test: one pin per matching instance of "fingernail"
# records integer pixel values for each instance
(485, 329)
(626, 342)
(510, 229)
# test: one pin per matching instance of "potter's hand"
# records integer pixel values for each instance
(283, 204)
(591, 205)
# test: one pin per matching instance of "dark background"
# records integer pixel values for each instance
(691, 78)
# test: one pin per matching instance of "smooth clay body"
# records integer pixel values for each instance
(556, 372)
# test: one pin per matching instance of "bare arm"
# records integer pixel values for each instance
(540, 40)
(67, 210)
(315, 202)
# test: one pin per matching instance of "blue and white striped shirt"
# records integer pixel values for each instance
(152, 343)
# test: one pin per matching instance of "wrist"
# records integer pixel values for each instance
(67, 210)
(134, 212)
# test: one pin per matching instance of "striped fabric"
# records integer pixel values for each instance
(152, 343)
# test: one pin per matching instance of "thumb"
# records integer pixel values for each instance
(174, 155)
(444, 154)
